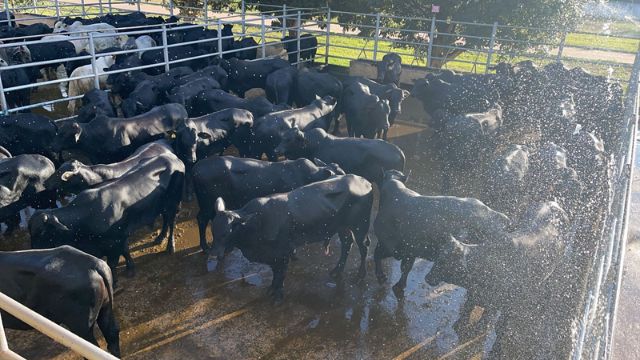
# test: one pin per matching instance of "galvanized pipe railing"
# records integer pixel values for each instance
(48, 328)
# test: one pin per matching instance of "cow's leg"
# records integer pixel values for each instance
(163, 232)
(362, 240)
(385, 134)
(279, 269)
(378, 255)
(203, 222)
(12, 223)
(112, 261)
(171, 243)
(346, 240)
(405, 268)
(110, 329)
(128, 260)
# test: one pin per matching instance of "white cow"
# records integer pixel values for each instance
(78, 27)
(81, 86)
(141, 42)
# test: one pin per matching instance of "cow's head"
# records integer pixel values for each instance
(72, 176)
(59, 27)
(396, 96)
(67, 137)
(395, 175)
(47, 231)
(293, 144)
(377, 112)
(186, 138)
(452, 263)
(241, 117)
(227, 227)
(329, 170)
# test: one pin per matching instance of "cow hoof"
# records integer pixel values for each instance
(171, 250)
(398, 290)
(278, 297)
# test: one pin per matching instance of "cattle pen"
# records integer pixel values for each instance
(595, 316)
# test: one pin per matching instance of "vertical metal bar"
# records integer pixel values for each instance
(84, 10)
(165, 48)
(376, 37)
(244, 14)
(561, 47)
(220, 39)
(492, 43)
(57, 10)
(3, 97)
(4, 346)
(326, 41)
(206, 12)
(100, 7)
(110, 8)
(94, 67)
(262, 36)
(8, 12)
(138, 5)
(432, 33)
(299, 30)
(171, 7)
(284, 20)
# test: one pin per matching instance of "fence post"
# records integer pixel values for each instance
(206, 12)
(8, 13)
(376, 35)
(3, 98)
(432, 37)
(561, 47)
(262, 36)
(138, 5)
(57, 10)
(220, 39)
(100, 7)
(94, 67)
(492, 43)
(243, 10)
(171, 7)
(326, 41)
(110, 9)
(165, 48)
(299, 26)
(84, 10)
(284, 20)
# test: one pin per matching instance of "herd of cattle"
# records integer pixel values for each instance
(526, 152)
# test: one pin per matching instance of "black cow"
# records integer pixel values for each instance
(49, 51)
(245, 75)
(22, 184)
(365, 157)
(100, 220)
(10, 19)
(215, 72)
(156, 56)
(106, 139)
(124, 83)
(268, 229)
(409, 225)
(241, 180)
(74, 176)
(311, 83)
(142, 99)
(95, 102)
(186, 94)
(390, 69)
(507, 178)
(308, 48)
(280, 85)
(389, 92)
(245, 49)
(197, 138)
(268, 130)
(216, 100)
(66, 286)
(28, 134)
(12, 78)
(367, 114)
(26, 30)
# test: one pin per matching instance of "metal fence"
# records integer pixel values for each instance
(339, 43)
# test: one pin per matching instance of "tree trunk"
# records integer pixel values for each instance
(441, 55)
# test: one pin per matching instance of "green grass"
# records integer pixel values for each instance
(628, 28)
(603, 42)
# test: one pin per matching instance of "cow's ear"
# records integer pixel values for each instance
(405, 94)
(171, 134)
(204, 135)
(318, 97)
(66, 175)
(220, 205)
(319, 162)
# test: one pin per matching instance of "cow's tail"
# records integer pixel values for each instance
(105, 273)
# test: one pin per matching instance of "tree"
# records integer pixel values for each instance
(561, 15)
